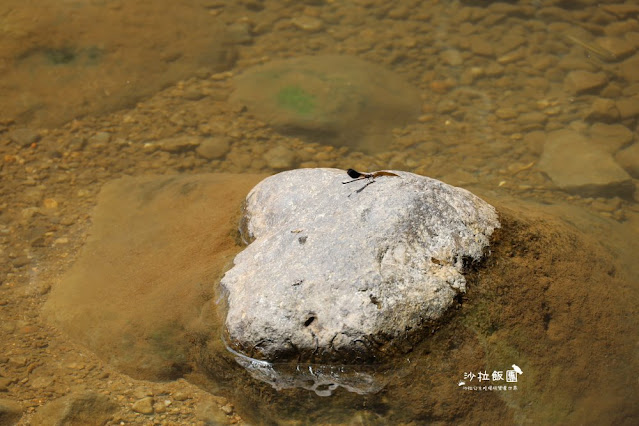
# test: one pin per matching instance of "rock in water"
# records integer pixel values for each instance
(333, 99)
(139, 288)
(346, 272)
(575, 164)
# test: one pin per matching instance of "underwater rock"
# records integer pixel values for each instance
(79, 407)
(143, 281)
(577, 165)
(338, 100)
(348, 272)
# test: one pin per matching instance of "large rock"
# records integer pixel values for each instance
(577, 165)
(339, 100)
(349, 271)
(144, 277)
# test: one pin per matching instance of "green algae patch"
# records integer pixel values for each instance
(296, 99)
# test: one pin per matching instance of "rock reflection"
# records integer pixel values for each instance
(321, 379)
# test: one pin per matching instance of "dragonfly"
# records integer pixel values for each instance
(357, 176)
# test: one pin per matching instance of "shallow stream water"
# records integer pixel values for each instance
(96, 90)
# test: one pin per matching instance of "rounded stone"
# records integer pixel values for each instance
(349, 271)
(338, 100)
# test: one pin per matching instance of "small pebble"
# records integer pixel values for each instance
(307, 23)
(50, 203)
(143, 406)
(24, 136)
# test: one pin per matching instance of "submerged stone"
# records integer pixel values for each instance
(575, 164)
(347, 272)
(339, 100)
(141, 284)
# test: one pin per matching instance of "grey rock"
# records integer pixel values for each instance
(338, 100)
(77, 408)
(576, 164)
(10, 412)
(345, 271)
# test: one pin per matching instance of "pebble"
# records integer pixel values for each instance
(50, 203)
(24, 136)
(506, 113)
(180, 396)
(100, 139)
(628, 158)
(179, 144)
(628, 107)
(42, 382)
(18, 361)
(193, 94)
(494, 70)
(280, 158)
(580, 81)
(214, 147)
(240, 32)
(532, 120)
(451, 57)
(577, 165)
(603, 109)
(611, 137)
(142, 392)
(143, 406)
(512, 56)
(628, 69)
(227, 409)
(307, 23)
(4, 383)
(480, 46)
(618, 47)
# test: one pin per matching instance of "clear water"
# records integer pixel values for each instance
(493, 80)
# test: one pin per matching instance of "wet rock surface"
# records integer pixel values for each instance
(349, 272)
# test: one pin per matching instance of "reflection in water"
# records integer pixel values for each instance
(321, 379)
